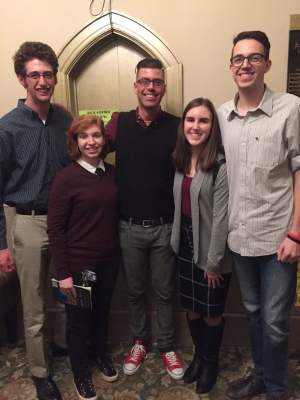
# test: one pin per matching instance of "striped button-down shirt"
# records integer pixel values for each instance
(31, 154)
(262, 152)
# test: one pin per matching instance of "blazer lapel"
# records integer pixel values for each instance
(196, 185)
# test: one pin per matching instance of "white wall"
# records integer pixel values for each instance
(199, 32)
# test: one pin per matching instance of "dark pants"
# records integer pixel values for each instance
(148, 251)
(82, 321)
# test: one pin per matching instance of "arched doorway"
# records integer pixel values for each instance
(100, 36)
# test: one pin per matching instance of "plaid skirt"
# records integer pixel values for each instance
(195, 294)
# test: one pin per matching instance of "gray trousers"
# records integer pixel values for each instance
(147, 251)
(32, 258)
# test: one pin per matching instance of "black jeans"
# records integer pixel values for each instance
(82, 321)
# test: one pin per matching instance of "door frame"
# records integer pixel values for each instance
(97, 34)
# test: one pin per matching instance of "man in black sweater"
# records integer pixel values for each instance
(144, 140)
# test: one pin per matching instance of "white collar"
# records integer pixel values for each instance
(89, 167)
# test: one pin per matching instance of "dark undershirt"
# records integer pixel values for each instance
(186, 196)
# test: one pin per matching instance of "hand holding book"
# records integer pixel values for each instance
(83, 295)
(66, 286)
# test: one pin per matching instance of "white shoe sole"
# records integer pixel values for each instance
(128, 372)
(110, 378)
(176, 377)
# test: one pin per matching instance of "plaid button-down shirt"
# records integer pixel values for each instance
(31, 154)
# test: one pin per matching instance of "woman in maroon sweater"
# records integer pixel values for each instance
(82, 229)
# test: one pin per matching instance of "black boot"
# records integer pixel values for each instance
(212, 338)
(196, 328)
(46, 389)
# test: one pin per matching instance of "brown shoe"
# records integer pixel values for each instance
(246, 389)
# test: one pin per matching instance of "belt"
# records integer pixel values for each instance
(147, 222)
(27, 211)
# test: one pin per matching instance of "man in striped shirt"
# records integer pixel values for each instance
(261, 136)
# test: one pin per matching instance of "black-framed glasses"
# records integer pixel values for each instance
(146, 82)
(48, 76)
(254, 58)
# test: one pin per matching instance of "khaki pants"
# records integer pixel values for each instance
(32, 258)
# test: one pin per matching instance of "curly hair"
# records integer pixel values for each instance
(79, 125)
(31, 50)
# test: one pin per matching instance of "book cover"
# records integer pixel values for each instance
(84, 295)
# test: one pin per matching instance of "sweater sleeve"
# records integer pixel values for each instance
(219, 232)
(59, 210)
(111, 130)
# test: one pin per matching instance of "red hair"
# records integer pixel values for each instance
(78, 126)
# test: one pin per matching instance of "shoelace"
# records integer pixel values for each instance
(136, 351)
(172, 358)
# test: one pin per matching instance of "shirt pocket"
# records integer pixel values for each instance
(264, 151)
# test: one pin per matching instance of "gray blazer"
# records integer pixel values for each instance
(209, 205)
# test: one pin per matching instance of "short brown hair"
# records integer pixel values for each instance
(181, 156)
(78, 126)
(31, 50)
(259, 36)
(149, 63)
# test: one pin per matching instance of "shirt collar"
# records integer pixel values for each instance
(89, 167)
(29, 112)
(140, 120)
(266, 104)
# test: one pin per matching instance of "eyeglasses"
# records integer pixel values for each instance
(146, 82)
(48, 76)
(254, 58)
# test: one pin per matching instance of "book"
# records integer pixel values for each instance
(84, 295)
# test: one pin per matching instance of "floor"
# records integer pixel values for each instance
(151, 382)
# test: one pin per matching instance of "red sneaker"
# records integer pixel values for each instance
(134, 358)
(174, 364)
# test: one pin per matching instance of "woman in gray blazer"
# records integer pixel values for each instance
(199, 236)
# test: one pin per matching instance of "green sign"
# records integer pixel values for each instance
(105, 115)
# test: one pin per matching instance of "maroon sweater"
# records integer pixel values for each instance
(82, 220)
